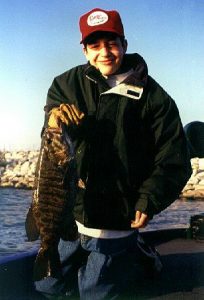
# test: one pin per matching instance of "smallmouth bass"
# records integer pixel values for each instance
(50, 215)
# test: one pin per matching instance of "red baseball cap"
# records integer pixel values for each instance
(100, 20)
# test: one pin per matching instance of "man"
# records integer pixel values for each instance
(131, 155)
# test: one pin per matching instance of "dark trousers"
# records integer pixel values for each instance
(100, 268)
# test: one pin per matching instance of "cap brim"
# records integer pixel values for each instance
(97, 30)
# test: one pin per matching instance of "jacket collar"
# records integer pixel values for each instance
(133, 85)
(127, 90)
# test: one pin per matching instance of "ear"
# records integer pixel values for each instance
(125, 45)
(85, 52)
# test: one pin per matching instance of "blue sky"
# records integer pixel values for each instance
(40, 40)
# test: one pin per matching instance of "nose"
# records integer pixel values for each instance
(104, 50)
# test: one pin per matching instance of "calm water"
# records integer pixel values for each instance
(15, 203)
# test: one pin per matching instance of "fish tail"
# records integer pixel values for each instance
(47, 264)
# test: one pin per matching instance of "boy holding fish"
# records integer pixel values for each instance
(131, 159)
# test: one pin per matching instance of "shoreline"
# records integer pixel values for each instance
(17, 170)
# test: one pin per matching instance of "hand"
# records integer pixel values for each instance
(65, 113)
(141, 220)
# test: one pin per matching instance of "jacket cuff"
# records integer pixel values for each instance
(145, 205)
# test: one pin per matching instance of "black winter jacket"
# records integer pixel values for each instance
(131, 149)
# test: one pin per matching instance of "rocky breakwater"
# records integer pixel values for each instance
(17, 168)
(194, 188)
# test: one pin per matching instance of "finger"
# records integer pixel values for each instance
(67, 114)
(74, 116)
(72, 113)
(79, 114)
(137, 216)
(135, 223)
(141, 222)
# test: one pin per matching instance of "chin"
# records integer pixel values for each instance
(107, 72)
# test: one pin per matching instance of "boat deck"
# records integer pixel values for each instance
(182, 277)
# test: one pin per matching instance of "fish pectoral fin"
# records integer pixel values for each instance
(47, 264)
(31, 228)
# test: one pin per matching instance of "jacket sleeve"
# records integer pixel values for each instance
(55, 97)
(66, 88)
(172, 167)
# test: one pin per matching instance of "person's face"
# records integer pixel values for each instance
(105, 54)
